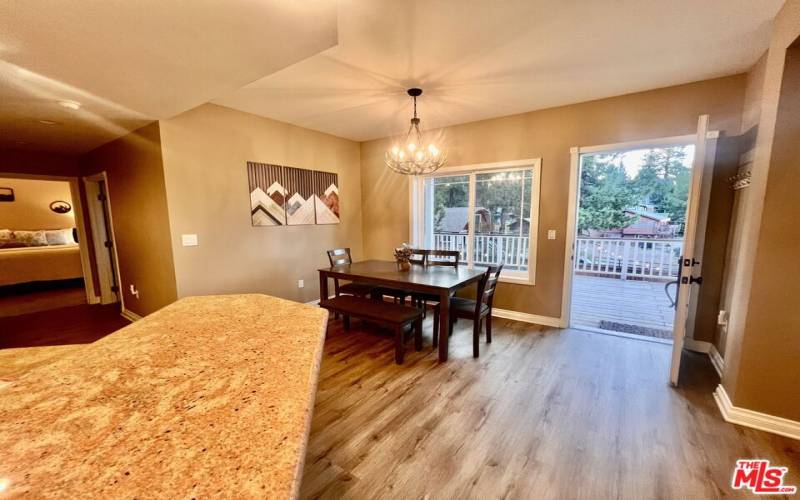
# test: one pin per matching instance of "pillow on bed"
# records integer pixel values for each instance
(31, 238)
(59, 237)
(6, 237)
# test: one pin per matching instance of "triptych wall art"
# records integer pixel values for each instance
(288, 196)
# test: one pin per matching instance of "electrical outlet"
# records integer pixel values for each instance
(301, 283)
(551, 234)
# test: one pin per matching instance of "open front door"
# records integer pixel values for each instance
(686, 278)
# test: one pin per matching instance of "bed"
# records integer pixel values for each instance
(46, 263)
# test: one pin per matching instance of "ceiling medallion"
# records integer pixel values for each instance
(415, 156)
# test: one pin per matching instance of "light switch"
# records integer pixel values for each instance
(189, 240)
(551, 234)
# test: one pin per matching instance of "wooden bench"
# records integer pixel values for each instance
(397, 317)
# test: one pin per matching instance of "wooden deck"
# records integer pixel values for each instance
(638, 303)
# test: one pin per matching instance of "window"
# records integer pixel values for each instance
(486, 212)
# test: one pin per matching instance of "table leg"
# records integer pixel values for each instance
(444, 324)
(323, 286)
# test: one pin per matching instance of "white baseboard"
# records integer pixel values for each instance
(315, 302)
(93, 299)
(130, 315)
(527, 318)
(754, 419)
(700, 346)
(716, 359)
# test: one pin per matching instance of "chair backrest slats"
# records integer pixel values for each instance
(419, 256)
(443, 258)
(486, 287)
(339, 257)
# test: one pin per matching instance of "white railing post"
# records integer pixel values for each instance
(625, 257)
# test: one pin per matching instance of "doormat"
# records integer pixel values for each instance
(636, 329)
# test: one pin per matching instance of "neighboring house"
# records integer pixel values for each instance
(454, 220)
(649, 224)
(645, 224)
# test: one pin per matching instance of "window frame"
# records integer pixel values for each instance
(416, 194)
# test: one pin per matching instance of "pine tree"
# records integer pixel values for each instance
(605, 193)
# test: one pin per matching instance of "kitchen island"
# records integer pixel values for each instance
(210, 396)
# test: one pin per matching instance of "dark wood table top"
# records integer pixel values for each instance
(381, 271)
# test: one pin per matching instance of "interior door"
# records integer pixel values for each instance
(687, 275)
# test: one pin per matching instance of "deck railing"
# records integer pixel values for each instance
(490, 249)
(622, 258)
(625, 258)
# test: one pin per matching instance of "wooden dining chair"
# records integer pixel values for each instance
(479, 309)
(450, 258)
(341, 257)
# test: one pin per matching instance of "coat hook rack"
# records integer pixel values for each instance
(740, 181)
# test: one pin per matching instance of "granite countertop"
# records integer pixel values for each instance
(211, 396)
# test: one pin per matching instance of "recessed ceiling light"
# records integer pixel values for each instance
(48, 122)
(70, 104)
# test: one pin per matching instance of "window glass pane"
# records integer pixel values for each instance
(503, 219)
(446, 213)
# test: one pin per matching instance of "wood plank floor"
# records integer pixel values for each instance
(25, 303)
(81, 324)
(543, 413)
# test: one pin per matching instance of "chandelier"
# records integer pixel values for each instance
(415, 156)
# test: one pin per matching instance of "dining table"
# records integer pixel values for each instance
(442, 281)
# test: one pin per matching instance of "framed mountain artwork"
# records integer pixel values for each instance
(326, 197)
(267, 194)
(299, 196)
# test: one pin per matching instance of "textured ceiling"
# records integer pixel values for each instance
(130, 62)
(488, 58)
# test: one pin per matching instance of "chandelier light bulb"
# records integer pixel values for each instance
(420, 160)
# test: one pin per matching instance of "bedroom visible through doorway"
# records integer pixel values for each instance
(42, 262)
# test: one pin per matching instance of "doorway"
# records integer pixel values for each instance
(606, 178)
(44, 255)
(631, 221)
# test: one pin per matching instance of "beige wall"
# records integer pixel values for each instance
(205, 156)
(548, 134)
(771, 348)
(751, 111)
(136, 190)
(762, 348)
(31, 208)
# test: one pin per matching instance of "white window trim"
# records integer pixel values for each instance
(416, 198)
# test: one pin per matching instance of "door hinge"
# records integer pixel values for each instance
(108, 244)
(101, 197)
(114, 288)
